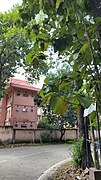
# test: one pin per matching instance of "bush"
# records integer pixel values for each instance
(46, 137)
(77, 152)
(44, 124)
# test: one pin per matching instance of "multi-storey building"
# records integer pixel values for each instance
(17, 107)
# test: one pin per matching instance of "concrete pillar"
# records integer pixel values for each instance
(94, 174)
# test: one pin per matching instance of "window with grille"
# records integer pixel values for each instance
(17, 108)
(31, 125)
(23, 125)
(24, 109)
(16, 124)
(18, 93)
(31, 109)
(25, 94)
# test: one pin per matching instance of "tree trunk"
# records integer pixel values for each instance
(81, 128)
(62, 133)
(82, 134)
(81, 122)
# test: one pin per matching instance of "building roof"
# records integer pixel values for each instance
(22, 84)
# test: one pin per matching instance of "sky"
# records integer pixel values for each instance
(6, 5)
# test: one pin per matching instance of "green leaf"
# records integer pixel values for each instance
(58, 2)
(46, 98)
(82, 89)
(40, 4)
(78, 108)
(32, 35)
(42, 92)
(63, 86)
(94, 124)
(98, 20)
(80, 34)
(88, 57)
(35, 63)
(92, 115)
(74, 101)
(47, 79)
(84, 47)
(58, 104)
(29, 57)
(43, 36)
(79, 2)
(75, 67)
(96, 45)
(84, 101)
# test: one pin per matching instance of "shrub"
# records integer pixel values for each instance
(77, 152)
(45, 124)
(42, 124)
(46, 137)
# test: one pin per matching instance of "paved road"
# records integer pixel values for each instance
(29, 163)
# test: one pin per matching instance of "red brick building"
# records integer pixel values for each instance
(17, 108)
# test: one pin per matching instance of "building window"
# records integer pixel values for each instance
(32, 94)
(18, 93)
(24, 109)
(17, 108)
(16, 124)
(23, 125)
(31, 125)
(31, 109)
(39, 117)
(25, 94)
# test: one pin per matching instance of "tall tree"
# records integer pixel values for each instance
(72, 29)
(13, 48)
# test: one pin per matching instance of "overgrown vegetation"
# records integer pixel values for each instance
(77, 152)
(51, 121)
(44, 124)
(46, 137)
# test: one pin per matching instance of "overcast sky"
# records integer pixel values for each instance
(6, 5)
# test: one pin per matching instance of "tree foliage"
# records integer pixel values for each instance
(72, 29)
(16, 50)
(13, 48)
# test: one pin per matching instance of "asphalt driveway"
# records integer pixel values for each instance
(29, 163)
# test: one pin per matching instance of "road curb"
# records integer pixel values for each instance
(48, 173)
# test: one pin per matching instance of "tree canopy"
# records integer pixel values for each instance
(72, 29)
(13, 47)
